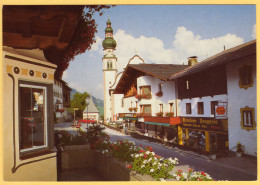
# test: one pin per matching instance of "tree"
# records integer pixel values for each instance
(83, 38)
(79, 101)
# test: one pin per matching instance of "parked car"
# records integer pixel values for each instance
(89, 121)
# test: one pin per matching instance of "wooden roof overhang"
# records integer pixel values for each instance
(129, 77)
(47, 27)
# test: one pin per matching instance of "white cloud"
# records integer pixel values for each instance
(186, 44)
(254, 32)
(96, 45)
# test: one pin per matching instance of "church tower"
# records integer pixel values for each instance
(109, 70)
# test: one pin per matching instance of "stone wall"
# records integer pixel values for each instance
(81, 156)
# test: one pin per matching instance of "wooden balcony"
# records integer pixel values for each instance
(160, 119)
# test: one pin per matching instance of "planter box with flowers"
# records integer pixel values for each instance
(159, 94)
(169, 114)
(132, 109)
(59, 110)
(159, 114)
(143, 96)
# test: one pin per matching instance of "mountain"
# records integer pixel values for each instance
(99, 103)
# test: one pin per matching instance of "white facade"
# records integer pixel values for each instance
(168, 89)
(194, 109)
(240, 98)
(58, 99)
(91, 115)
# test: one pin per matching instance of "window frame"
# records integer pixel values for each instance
(142, 89)
(200, 108)
(246, 71)
(188, 108)
(253, 124)
(212, 109)
(48, 146)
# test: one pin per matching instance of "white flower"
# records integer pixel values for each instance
(185, 175)
(152, 153)
(178, 178)
(154, 163)
(155, 158)
(132, 155)
(152, 170)
(162, 179)
(106, 150)
(145, 161)
(149, 160)
(147, 152)
(137, 155)
(103, 152)
(142, 166)
(141, 155)
(105, 142)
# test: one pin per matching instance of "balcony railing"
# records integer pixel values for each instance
(160, 119)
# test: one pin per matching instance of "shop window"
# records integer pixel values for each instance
(188, 108)
(200, 108)
(33, 117)
(248, 118)
(245, 77)
(212, 106)
(145, 90)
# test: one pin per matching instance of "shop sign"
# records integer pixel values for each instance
(127, 115)
(209, 124)
(221, 111)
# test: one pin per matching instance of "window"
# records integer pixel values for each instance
(248, 118)
(245, 77)
(188, 108)
(161, 107)
(122, 102)
(33, 117)
(212, 106)
(171, 107)
(200, 108)
(145, 90)
(146, 110)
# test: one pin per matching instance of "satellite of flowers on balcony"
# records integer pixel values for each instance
(191, 176)
(159, 94)
(143, 96)
(132, 109)
(159, 114)
(143, 114)
(169, 114)
(59, 110)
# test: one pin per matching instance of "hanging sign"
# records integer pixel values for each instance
(221, 111)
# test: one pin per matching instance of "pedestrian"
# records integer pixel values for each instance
(125, 127)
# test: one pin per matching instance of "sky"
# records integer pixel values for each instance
(162, 34)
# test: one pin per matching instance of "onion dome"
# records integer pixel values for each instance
(109, 42)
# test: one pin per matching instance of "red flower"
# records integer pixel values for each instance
(180, 171)
(199, 179)
(203, 173)
(190, 170)
(116, 148)
(145, 156)
(141, 151)
(129, 166)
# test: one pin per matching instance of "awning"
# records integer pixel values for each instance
(154, 123)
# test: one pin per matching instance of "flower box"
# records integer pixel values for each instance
(159, 114)
(143, 96)
(169, 114)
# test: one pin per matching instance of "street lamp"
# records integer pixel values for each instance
(87, 103)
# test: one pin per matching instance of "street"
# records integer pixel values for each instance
(228, 168)
(218, 169)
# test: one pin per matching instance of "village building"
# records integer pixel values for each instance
(91, 111)
(217, 101)
(33, 37)
(61, 99)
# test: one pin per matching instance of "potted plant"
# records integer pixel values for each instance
(213, 152)
(239, 149)
(130, 109)
(159, 94)
(135, 109)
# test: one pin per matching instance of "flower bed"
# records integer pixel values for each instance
(191, 176)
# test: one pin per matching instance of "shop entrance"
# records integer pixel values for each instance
(219, 140)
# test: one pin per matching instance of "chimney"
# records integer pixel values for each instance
(192, 60)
